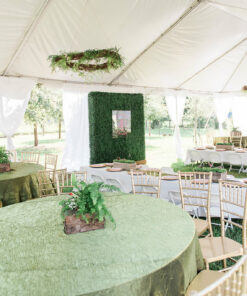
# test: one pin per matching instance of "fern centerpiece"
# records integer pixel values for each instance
(85, 209)
(4, 160)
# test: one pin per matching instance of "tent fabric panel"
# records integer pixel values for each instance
(191, 45)
(217, 74)
(15, 17)
(58, 31)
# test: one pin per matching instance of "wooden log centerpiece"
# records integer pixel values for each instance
(4, 167)
(73, 224)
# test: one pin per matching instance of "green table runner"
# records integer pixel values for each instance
(20, 184)
(152, 251)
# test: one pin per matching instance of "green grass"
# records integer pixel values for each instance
(45, 141)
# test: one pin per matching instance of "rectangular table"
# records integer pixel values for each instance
(230, 157)
(169, 190)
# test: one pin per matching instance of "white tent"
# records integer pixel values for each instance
(197, 46)
(171, 47)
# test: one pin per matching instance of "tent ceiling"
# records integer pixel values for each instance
(167, 44)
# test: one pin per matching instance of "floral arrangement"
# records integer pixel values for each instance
(4, 156)
(88, 61)
(87, 199)
(121, 132)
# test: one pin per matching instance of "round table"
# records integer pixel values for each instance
(152, 251)
(20, 183)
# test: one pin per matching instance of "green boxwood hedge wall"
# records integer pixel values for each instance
(104, 148)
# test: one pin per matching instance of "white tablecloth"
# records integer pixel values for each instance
(225, 156)
(169, 190)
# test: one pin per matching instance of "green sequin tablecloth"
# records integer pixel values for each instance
(152, 251)
(20, 184)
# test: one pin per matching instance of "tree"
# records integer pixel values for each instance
(197, 112)
(44, 105)
(155, 110)
(56, 113)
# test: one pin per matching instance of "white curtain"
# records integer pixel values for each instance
(175, 105)
(75, 112)
(222, 105)
(14, 97)
(239, 108)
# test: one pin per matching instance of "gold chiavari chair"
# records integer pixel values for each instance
(146, 182)
(50, 161)
(30, 157)
(233, 203)
(12, 155)
(47, 183)
(195, 192)
(67, 180)
(1, 204)
(236, 141)
(215, 283)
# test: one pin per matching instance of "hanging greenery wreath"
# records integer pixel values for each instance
(88, 61)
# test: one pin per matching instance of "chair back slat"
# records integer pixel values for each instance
(30, 157)
(195, 190)
(50, 161)
(67, 180)
(47, 183)
(233, 203)
(146, 182)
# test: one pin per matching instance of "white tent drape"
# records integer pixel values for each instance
(222, 106)
(175, 106)
(239, 108)
(75, 112)
(14, 96)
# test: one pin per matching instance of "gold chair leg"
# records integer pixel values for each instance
(1, 204)
(225, 264)
(210, 229)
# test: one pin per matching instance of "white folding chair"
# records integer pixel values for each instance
(174, 197)
(244, 162)
(215, 157)
(167, 170)
(235, 159)
(115, 182)
(97, 178)
(195, 156)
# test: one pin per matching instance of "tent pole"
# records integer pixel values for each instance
(212, 62)
(235, 70)
(188, 11)
(124, 88)
(27, 34)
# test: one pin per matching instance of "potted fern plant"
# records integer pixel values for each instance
(85, 210)
(4, 160)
